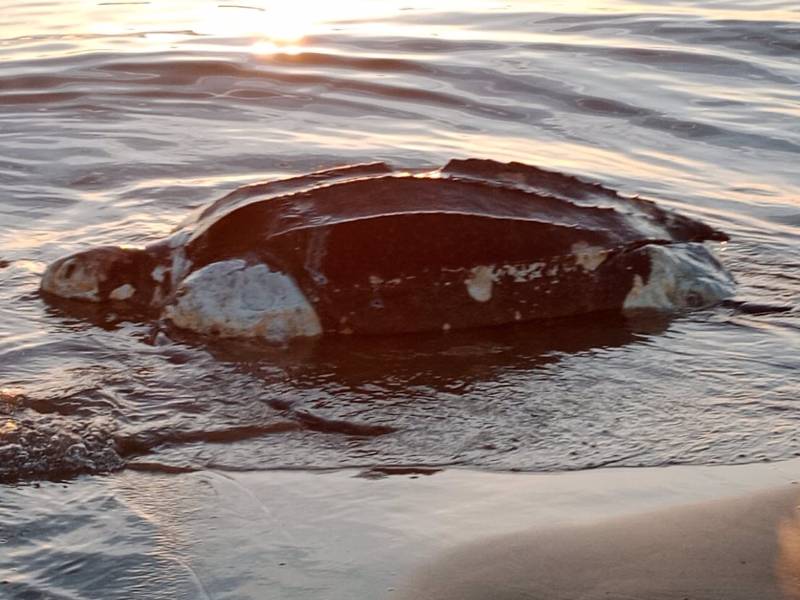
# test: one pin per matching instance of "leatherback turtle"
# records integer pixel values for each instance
(367, 249)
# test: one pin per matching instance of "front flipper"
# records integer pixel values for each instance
(682, 277)
(233, 299)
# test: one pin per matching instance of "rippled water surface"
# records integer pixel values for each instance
(116, 119)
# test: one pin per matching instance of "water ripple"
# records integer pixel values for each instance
(113, 126)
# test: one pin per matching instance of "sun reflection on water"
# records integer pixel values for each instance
(287, 24)
(265, 27)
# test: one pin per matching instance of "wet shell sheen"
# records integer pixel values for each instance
(365, 249)
(368, 250)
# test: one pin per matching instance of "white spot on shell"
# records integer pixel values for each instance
(179, 239)
(123, 292)
(682, 276)
(482, 278)
(158, 273)
(647, 226)
(315, 253)
(446, 327)
(588, 257)
(231, 299)
(520, 273)
(479, 283)
(180, 267)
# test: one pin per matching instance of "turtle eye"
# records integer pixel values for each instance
(69, 270)
(693, 300)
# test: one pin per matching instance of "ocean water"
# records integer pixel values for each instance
(119, 118)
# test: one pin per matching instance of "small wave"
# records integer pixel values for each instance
(145, 442)
(197, 81)
(694, 104)
(36, 446)
(49, 439)
(326, 425)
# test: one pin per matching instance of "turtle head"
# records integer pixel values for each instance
(103, 274)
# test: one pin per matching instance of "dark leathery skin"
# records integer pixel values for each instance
(410, 272)
(383, 253)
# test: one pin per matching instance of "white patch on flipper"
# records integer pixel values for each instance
(682, 276)
(123, 292)
(588, 257)
(231, 299)
(479, 283)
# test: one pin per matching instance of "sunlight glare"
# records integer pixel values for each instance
(10, 426)
(278, 25)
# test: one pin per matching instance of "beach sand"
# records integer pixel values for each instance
(691, 532)
(746, 548)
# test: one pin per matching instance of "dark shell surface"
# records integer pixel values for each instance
(374, 250)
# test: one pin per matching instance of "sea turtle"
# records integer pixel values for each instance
(367, 249)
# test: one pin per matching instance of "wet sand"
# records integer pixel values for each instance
(649, 533)
(746, 548)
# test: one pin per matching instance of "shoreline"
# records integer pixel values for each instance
(741, 548)
(300, 535)
(356, 537)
